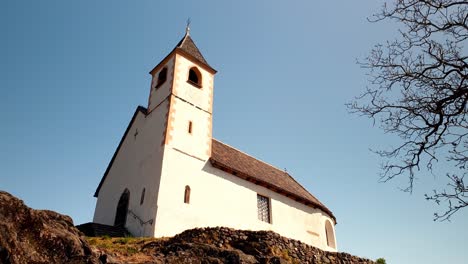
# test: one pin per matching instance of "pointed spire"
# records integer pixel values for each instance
(186, 44)
(187, 28)
(188, 47)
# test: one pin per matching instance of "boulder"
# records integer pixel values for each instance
(39, 236)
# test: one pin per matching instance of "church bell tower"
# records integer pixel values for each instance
(182, 94)
(185, 79)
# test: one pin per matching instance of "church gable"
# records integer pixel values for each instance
(139, 110)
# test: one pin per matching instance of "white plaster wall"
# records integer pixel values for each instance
(136, 166)
(161, 93)
(197, 142)
(201, 97)
(220, 199)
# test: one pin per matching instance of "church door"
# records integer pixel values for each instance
(122, 208)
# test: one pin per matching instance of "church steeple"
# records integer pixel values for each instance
(187, 45)
(182, 84)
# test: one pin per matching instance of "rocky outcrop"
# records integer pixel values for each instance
(225, 245)
(39, 236)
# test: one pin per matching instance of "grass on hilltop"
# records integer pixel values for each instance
(121, 245)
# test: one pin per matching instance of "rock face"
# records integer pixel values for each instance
(39, 236)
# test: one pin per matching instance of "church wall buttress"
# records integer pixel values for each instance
(209, 136)
(170, 116)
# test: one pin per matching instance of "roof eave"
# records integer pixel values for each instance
(194, 59)
(163, 62)
(188, 56)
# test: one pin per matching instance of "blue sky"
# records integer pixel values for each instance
(73, 72)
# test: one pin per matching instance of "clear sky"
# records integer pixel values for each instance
(73, 72)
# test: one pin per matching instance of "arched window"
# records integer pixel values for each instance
(122, 209)
(142, 199)
(330, 234)
(187, 194)
(162, 76)
(195, 77)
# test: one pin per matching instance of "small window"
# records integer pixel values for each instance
(263, 207)
(330, 234)
(187, 195)
(190, 127)
(194, 77)
(142, 199)
(162, 76)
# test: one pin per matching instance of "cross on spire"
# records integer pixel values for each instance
(187, 28)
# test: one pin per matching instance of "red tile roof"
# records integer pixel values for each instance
(229, 159)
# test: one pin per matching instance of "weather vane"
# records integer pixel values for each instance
(187, 28)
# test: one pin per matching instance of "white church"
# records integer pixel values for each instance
(168, 174)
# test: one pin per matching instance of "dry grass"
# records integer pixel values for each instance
(124, 248)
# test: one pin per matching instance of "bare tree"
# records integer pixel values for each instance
(418, 91)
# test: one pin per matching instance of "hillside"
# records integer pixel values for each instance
(42, 236)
